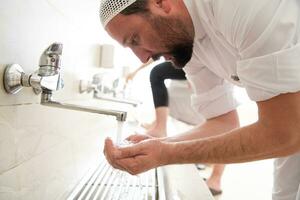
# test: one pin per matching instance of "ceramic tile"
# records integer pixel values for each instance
(38, 140)
(9, 195)
(6, 129)
(8, 155)
(44, 176)
(9, 183)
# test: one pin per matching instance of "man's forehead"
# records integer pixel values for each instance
(122, 24)
(117, 25)
(120, 27)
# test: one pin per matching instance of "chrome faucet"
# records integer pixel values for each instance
(99, 91)
(46, 77)
(46, 80)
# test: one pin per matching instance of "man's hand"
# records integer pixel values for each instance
(136, 138)
(136, 158)
(130, 77)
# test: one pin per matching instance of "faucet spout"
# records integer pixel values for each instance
(117, 100)
(46, 100)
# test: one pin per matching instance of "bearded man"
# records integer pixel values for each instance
(253, 44)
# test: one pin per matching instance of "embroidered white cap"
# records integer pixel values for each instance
(110, 8)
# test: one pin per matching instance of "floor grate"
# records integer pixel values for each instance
(107, 183)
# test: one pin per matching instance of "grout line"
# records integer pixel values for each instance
(56, 8)
(19, 104)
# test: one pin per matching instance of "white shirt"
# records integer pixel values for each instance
(251, 43)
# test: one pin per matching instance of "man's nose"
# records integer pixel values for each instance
(142, 54)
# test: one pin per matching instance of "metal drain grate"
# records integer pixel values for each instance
(107, 183)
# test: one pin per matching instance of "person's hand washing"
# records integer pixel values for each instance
(136, 158)
(136, 138)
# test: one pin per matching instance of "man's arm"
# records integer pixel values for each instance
(121, 158)
(211, 127)
(131, 75)
(275, 134)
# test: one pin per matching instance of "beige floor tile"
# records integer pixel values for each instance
(247, 181)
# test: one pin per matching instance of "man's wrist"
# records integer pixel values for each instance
(168, 153)
(169, 139)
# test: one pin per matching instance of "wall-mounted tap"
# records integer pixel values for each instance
(101, 92)
(48, 79)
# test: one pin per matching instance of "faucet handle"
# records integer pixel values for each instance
(47, 77)
(51, 56)
(86, 86)
(115, 83)
(98, 78)
(52, 83)
(55, 48)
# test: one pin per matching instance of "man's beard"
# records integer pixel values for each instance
(175, 38)
(182, 54)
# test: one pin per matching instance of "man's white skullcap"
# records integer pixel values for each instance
(110, 8)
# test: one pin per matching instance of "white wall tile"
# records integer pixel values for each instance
(8, 155)
(9, 183)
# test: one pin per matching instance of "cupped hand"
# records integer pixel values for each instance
(136, 158)
(136, 138)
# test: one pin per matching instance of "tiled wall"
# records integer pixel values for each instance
(45, 151)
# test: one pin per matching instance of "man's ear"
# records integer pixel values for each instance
(163, 5)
